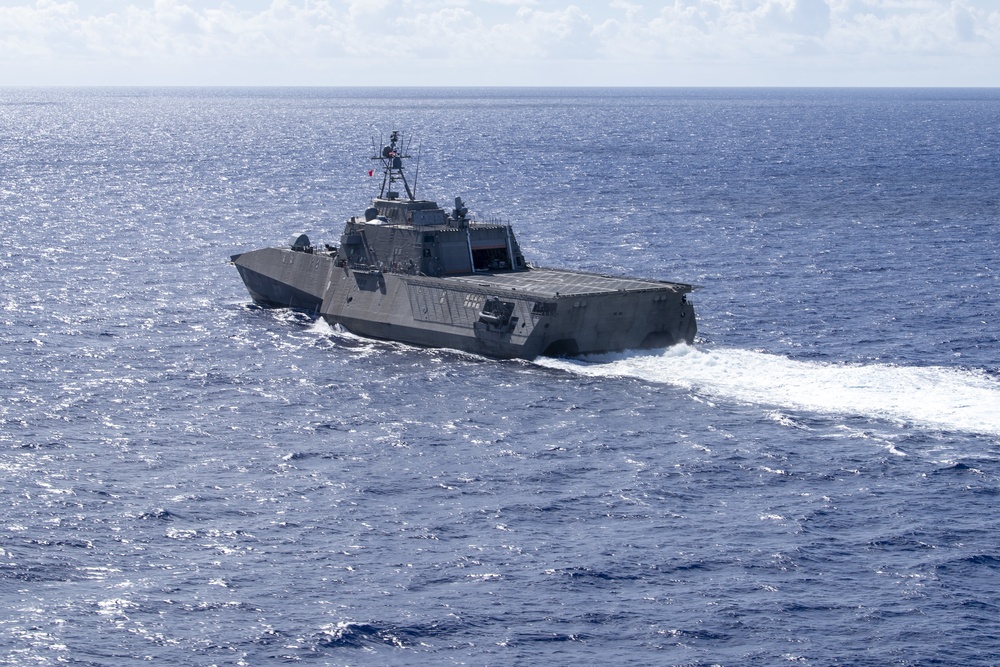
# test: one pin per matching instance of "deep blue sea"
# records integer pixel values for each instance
(190, 480)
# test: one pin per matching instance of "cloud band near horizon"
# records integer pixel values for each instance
(461, 42)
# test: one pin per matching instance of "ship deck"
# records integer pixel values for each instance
(552, 283)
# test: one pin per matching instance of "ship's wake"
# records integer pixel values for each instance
(933, 396)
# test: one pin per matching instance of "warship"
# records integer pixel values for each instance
(408, 270)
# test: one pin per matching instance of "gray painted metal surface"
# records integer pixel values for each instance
(410, 271)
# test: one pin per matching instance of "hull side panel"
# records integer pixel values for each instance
(442, 314)
(389, 308)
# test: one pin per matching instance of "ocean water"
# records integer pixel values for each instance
(188, 479)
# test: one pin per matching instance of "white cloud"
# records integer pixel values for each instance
(502, 41)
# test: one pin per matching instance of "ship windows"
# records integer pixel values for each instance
(428, 217)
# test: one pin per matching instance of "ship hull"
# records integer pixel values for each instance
(523, 314)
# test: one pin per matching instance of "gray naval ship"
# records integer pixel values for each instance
(410, 271)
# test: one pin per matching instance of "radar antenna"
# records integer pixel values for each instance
(392, 157)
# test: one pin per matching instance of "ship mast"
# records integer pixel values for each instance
(392, 157)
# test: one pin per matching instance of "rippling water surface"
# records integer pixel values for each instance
(191, 480)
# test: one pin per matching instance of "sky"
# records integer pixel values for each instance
(500, 43)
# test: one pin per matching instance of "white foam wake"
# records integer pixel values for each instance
(934, 396)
